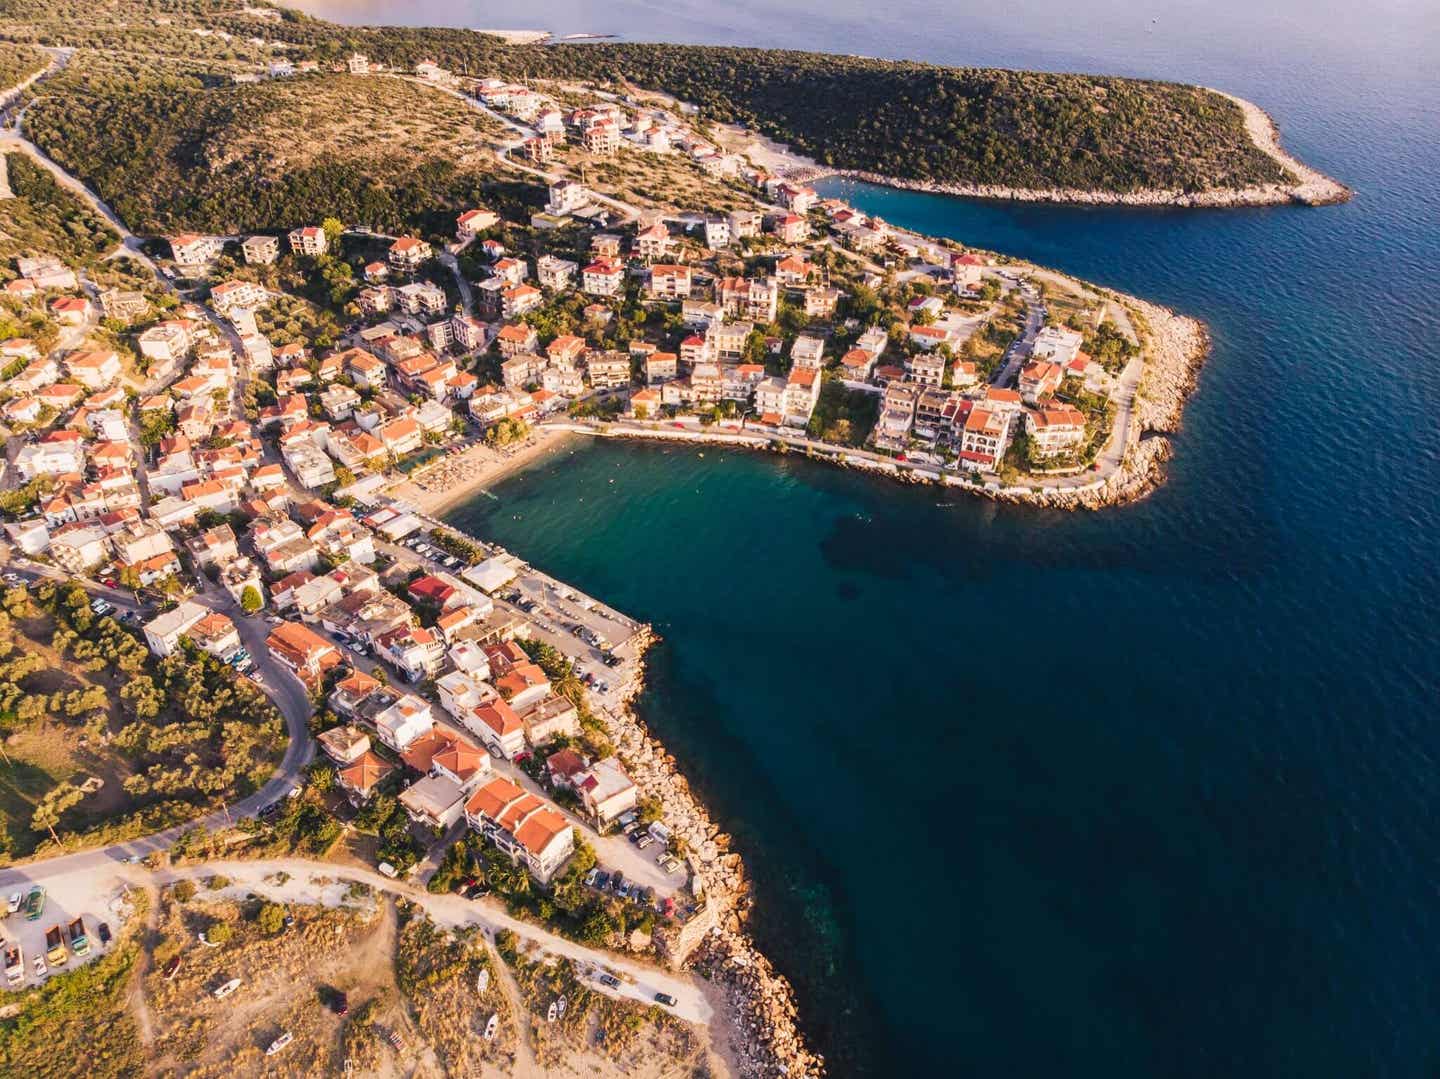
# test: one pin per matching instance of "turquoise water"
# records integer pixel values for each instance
(1147, 792)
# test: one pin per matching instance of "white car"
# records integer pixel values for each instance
(15, 900)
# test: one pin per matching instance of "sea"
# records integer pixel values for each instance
(1145, 792)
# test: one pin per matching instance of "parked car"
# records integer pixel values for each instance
(610, 981)
(666, 999)
(104, 930)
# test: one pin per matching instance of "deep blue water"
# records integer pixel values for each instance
(1146, 792)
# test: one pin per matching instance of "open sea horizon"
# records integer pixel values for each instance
(1150, 791)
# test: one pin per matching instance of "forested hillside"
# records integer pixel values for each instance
(179, 150)
(909, 120)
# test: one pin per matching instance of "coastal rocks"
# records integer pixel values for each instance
(764, 1003)
(716, 943)
(1175, 350)
(1309, 192)
(1310, 188)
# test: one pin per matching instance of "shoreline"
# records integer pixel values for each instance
(473, 470)
(1311, 187)
(1176, 347)
(763, 1014)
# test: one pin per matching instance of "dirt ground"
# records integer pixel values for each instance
(403, 976)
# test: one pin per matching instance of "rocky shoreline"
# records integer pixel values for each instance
(1265, 195)
(1311, 188)
(761, 999)
(1176, 347)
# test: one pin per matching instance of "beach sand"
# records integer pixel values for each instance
(449, 480)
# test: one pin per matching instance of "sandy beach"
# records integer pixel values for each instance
(448, 480)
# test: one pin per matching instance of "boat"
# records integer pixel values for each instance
(482, 980)
(560, 1007)
(225, 990)
(551, 1014)
(14, 963)
(491, 1026)
(279, 1044)
(56, 954)
(79, 942)
(35, 904)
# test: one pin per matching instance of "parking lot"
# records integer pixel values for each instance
(67, 899)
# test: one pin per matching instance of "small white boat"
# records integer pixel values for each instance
(560, 1006)
(279, 1044)
(492, 1025)
(552, 1013)
(482, 980)
(225, 990)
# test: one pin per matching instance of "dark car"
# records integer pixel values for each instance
(610, 980)
(104, 932)
(666, 999)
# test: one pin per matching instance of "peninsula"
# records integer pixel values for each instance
(273, 291)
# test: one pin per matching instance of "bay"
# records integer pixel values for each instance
(1143, 792)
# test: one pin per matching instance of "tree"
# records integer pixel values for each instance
(322, 778)
(332, 227)
(53, 806)
(251, 600)
(219, 933)
(270, 918)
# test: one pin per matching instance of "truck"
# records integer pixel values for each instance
(55, 952)
(14, 963)
(35, 904)
(79, 942)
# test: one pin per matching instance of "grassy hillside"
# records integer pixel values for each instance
(910, 120)
(181, 150)
(18, 63)
(44, 217)
(917, 121)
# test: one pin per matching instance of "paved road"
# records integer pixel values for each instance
(283, 689)
(615, 851)
(1008, 373)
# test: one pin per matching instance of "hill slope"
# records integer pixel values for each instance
(909, 120)
(912, 121)
(233, 158)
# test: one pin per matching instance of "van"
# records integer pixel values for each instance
(660, 832)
